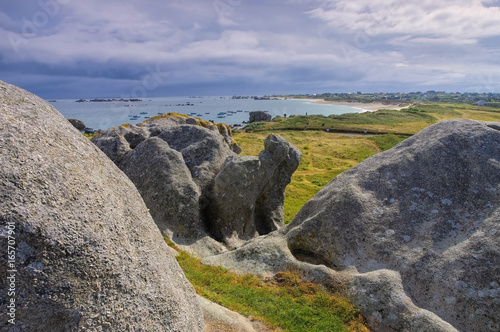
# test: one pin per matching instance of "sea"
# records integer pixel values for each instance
(107, 114)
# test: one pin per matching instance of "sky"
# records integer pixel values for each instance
(141, 48)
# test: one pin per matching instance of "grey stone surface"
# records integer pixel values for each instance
(118, 141)
(173, 159)
(248, 192)
(162, 178)
(378, 294)
(220, 319)
(382, 299)
(204, 151)
(78, 124)
(88, 254)
(256, 116)
(201, 194)
(266, 255)
(165, 184)
(429, 209)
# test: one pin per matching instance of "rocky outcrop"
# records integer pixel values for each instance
(78, 124)
(248, 193)
(428, 209)
(379, 294)
(88, 255)
(256, 116)
(118, 141)
(381, 297)
(201, 194)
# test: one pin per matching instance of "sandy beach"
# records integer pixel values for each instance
(370, 107)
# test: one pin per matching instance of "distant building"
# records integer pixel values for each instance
(481, 103)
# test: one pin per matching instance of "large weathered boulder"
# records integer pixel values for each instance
(248, 193)
(173, 198)
(381, 297)
(162, 177)
(428, 209)
(117, 142)
(88, 255)
(256, 116)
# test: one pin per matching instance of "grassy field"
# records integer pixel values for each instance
(327, 154)
(408, 121)
(284, 302)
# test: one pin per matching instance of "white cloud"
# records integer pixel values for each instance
(456, 20)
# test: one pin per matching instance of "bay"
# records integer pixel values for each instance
(103, 115)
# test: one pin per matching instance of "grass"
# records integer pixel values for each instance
(284, 302)
(407, 121)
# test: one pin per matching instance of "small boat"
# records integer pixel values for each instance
(199, 114)
(221, 116)
(207, 112)
(239, 111)
(221, 113)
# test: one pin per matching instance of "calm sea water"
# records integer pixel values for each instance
(103, 115)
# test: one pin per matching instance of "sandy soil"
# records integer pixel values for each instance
(371, 107)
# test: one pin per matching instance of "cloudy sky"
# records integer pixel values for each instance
(138, 48)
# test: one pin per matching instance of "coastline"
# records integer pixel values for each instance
(366, 107)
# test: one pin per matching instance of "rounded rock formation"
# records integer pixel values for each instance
(86, 253)
(201, 194)
(429, 209)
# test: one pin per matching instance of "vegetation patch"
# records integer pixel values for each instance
(386, 142)
(284, 302)
(407, 121)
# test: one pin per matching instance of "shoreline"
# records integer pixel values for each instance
(366, 107)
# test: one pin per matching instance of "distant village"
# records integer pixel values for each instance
(481, 99)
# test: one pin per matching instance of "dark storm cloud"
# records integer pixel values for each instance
(221, 46)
